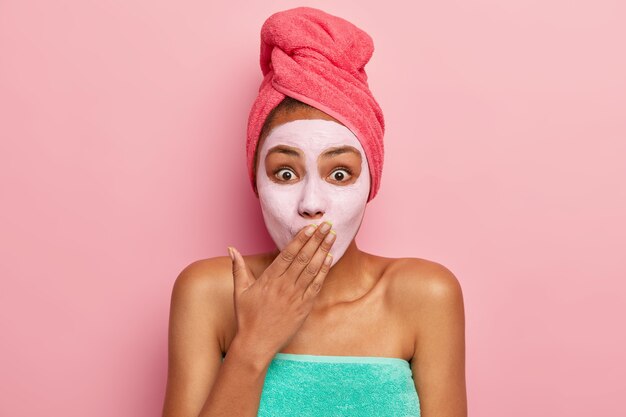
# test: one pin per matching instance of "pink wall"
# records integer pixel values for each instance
(122, 144)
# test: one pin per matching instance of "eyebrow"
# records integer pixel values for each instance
(328, 154)
(284, 150)
(339, 151)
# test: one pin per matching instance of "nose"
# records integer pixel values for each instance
(313, 202)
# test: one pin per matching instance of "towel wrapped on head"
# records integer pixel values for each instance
(319, 59)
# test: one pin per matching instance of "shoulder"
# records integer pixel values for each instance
(416, 276)
(432, 306)
(199, 298)
(422, 287)
(211, 275)
(203, 292)
(202, 282)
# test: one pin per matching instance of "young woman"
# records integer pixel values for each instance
(316, 327)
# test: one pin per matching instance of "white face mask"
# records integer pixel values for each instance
(291, 202)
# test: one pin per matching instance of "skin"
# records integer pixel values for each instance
(369, 305)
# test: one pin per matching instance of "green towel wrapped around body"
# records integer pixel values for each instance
(298, 385)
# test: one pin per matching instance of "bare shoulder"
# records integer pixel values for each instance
(210, 282)
(421, 286)
(212, 274)
(204, 273)
(421, 277)
(201, 315)
(199, 301)
(204, 276)
(195, 335)
(431, 302)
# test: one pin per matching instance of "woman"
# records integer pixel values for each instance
(316, 327)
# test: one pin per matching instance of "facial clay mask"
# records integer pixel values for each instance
(311, 187)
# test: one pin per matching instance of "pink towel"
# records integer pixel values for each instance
(319, 59)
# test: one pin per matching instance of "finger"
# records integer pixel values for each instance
(308, 250)
(241, 278)
(237, 278)
(316, 285)
(289, 252)
(311, 270)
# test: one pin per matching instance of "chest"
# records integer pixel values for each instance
(372, 326)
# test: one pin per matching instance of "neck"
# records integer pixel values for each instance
(347, 281)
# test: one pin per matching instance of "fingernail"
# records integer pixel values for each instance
(310, 230)
(231, 254)
(325, 227)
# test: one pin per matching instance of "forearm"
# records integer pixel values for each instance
(239, 383)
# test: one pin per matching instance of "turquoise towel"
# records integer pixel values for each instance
(299, 385)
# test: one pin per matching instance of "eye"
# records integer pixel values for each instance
(340, 174)
(285, 174)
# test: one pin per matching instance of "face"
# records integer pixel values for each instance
(310, 171)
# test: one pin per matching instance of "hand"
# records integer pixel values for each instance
(271, 309)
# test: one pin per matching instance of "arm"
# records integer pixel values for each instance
(438, 364)
(199, 384)
(239, 383)
(268, 312)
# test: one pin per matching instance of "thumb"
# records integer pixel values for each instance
(241, 275)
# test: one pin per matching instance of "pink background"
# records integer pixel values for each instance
(122, 161)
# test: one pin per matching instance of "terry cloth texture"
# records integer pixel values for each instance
(349, 386)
